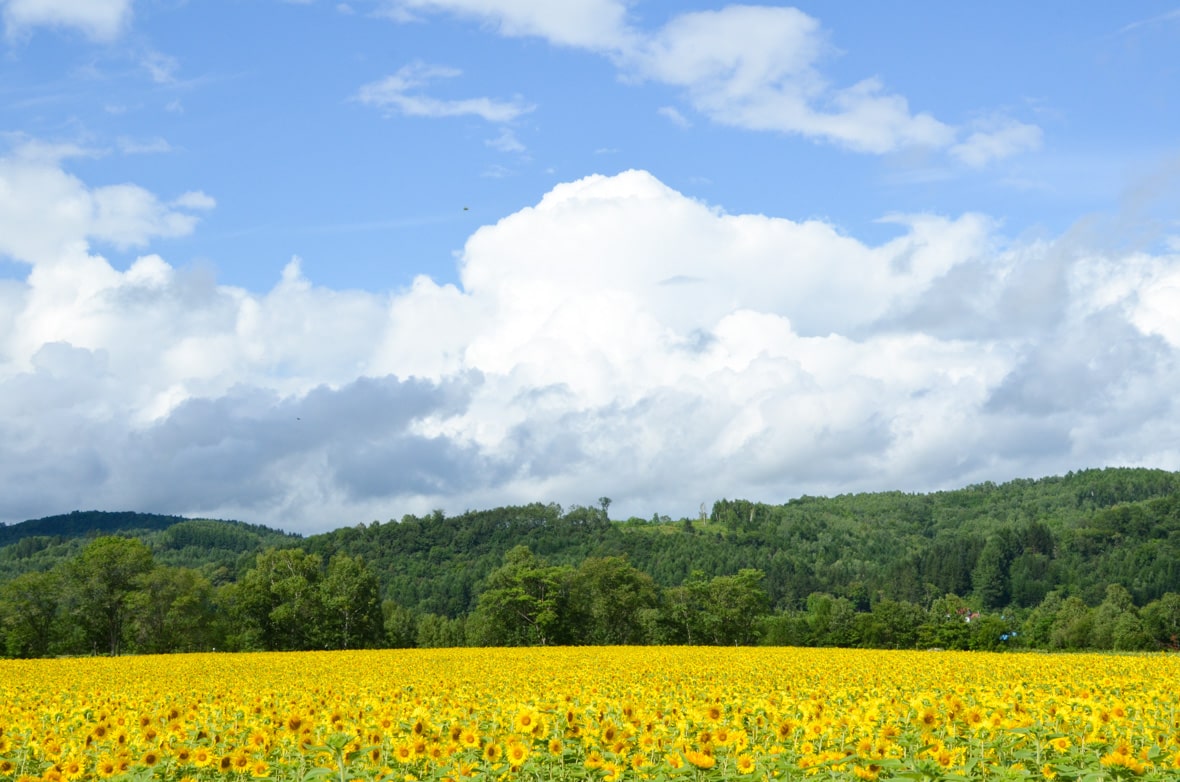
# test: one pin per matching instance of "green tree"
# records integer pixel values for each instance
(1116, 622)
(401, 625)
(440, 632)
(1161, 620)
(948, 624)
(1037, 630)
(989, 579)
(735, 607)
(277, 604)
(350, 604)
(891, 624)
(28, 612)
(98, 586)
(1072, 625)
(172, 611)
(525, 600)
(609, 596)
(832, 620)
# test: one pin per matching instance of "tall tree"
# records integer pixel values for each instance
(28, 610)
(734, 608)
(99, 583)
(172, 611)
(277, 604)
(610, 595)
(525, 600)
(351, 603)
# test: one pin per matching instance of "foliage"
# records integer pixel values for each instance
(1086, 560)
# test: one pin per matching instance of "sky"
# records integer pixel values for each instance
(313, 264)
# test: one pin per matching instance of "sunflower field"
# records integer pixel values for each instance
(634, 713)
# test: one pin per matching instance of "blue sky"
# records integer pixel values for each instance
(314, 263)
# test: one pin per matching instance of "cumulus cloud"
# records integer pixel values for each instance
(401, 94)
(46, 214)
(614, 338)
(99, 19)
(755, 67)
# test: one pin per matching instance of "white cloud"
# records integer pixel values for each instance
(997, 139)
(675, 116)
(506, 142)
(400, 94)
(755, 67)
(617, 337)
(592, 24)
(47, 214)
(99, 19)
(195, 199)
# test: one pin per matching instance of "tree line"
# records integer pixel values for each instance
(114, 598)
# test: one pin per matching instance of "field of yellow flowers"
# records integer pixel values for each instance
(691, 714)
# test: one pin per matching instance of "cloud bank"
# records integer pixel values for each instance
(617, 338)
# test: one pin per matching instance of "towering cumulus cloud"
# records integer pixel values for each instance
(617, 337)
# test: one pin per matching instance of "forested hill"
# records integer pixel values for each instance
(212, 545)
(1008, 543)
(1086, 560)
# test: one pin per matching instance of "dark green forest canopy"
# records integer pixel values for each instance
(1008, 548)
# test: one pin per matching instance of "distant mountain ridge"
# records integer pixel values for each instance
(87, 523)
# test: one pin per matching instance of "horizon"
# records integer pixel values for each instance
(415, 253)
(567, 508)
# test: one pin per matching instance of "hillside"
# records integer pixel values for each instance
(1078, 532)
(1086, 560)
(217, 548)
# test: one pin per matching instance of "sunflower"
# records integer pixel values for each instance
(469, 738)
(868, 773)
(517, 754)
(404, 752)
(73, 769)
(492, 752)
(150, 758)
(745, 763)
(609, 733)
(106, 768)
